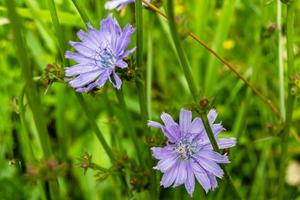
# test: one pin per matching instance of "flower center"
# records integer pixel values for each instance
(185, 149)
(105, 58)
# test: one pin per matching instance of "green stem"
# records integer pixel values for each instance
(24, 135)
(280, 63)
(139, 60)
(31, 90)
(140, 83)
(267, 101)
(181, 54)
(149, 66)
(216, 148)
(291, 96)
(94, 126)
(220, 36)
(128, 124)
(58, 30)
(192, 87)
(25, 141)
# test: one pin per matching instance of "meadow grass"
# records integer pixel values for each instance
(240, 57)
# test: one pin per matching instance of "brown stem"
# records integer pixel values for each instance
(225, 62)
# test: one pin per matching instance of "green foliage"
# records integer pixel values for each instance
(242, 31)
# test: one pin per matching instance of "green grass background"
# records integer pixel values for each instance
(242, 31)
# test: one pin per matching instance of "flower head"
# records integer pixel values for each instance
(189, 153)
(98, 53)
(117, 4)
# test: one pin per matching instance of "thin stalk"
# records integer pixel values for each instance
(139, 60)
(189, 78)
(94, 126)
(214, 143)
(58, 30)
(262, 97)
(25, 141)
(149, 67)
(24, 135)
(31, 90)
(128, 124)
(219, 38)
(81, 11)
(180, 52)
(280, 62)
(140, 83)
(291, 96)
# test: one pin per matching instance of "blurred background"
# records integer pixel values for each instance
(245, 32)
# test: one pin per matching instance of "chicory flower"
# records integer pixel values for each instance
(188, 153)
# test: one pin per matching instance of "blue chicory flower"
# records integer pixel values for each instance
(189, 153)
(117, 4)
(98, 53)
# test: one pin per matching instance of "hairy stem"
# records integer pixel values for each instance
(291, 96)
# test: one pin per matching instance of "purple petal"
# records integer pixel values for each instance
(171, 127)
(128, 52)
(214, 156)
(212, 116)
(182, 173)
(80, 69)
(154, 124)
(217, 128)
(196, 126)
(225, 143)
(162, 152)
(167, 163)
(79, 58)
(117, 81)
(98, 83)
(201, 176)
(124, 39)
(84, 79)
(213, 181)
(210, 166)
(185, 119)
(121, 64)
(167, 119)
(87, 40)
(169, 177)
(83, 49)
(172, 132)
(111, 26)
(118, 4)
(95, 35)
(190, 180)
